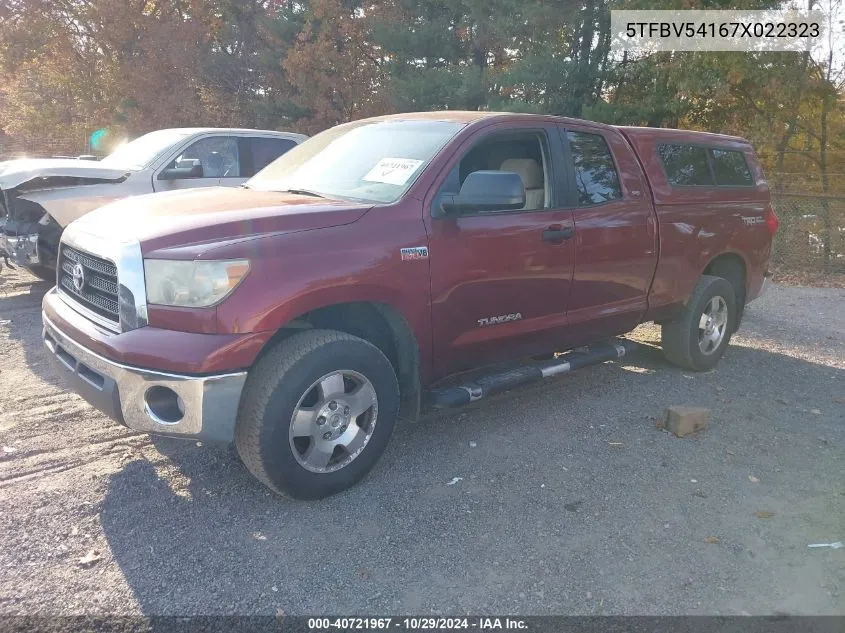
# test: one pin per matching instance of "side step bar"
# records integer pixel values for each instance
(482, 386)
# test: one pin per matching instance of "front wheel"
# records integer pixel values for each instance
(697, 339)
(316, 414)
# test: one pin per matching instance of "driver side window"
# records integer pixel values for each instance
(523, 154)
(218, 156)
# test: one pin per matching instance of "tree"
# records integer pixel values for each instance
(73, 66)
(334, 67)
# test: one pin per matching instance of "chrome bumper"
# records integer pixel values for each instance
(201, 407)
(767, 282)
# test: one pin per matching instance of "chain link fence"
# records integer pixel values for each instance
(811, 237)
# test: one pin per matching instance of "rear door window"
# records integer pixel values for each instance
(730, 168)
(685, 165)
(262, 152)
(596, 179)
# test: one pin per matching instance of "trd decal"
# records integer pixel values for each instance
(496, 320)
(753, 219)
(414, 252)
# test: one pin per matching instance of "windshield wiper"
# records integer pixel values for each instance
(305, 192)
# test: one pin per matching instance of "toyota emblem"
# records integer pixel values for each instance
(78, 277)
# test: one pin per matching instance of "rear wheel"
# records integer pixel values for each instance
(316, 413)
(697, 339)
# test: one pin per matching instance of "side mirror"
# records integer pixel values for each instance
(487, 191)
(185, 169)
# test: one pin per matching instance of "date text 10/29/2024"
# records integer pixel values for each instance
(417, 624)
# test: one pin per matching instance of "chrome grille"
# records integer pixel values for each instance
(99, 292)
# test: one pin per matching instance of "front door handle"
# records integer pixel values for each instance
(556, 234)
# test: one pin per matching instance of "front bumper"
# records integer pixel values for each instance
(201, 407)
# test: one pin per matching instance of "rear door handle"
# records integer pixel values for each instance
(557, 235)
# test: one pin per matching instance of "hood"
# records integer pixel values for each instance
(67, 204)
(184, 224)
(14, 173)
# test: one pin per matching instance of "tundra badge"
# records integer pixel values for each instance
(496, 320)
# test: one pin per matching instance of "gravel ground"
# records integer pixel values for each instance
(570, 501)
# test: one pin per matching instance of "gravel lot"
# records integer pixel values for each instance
(570, 500)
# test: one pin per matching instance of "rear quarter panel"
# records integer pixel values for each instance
(698, 223)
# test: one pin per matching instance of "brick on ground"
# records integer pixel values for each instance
(682, 420)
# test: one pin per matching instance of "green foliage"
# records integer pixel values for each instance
(75, 66)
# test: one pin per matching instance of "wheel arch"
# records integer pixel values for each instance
(376, 322)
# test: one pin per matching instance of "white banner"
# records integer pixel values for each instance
(663, 30)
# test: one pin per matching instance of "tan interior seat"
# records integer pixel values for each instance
(532, 178)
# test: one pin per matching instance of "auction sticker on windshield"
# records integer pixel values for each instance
(392, 171)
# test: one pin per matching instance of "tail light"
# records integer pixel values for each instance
(771, 220)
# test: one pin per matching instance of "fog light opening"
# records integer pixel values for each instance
(164, 405)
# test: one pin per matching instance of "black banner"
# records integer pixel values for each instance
(486, 624)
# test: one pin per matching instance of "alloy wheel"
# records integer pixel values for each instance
(712, 325)
(333, 421)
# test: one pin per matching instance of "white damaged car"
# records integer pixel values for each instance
(40, 197)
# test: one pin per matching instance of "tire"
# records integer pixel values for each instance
(689, 345)
(301, 374)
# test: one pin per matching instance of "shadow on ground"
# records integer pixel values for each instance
(21, 305)
(569, 501)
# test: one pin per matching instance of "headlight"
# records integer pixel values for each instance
(192, 284)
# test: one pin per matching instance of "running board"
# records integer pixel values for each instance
(482, 386)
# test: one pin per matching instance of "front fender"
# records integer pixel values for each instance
(297, 273)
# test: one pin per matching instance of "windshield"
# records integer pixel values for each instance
(144, 150)
(373, 161)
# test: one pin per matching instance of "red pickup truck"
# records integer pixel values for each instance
(349, 282)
